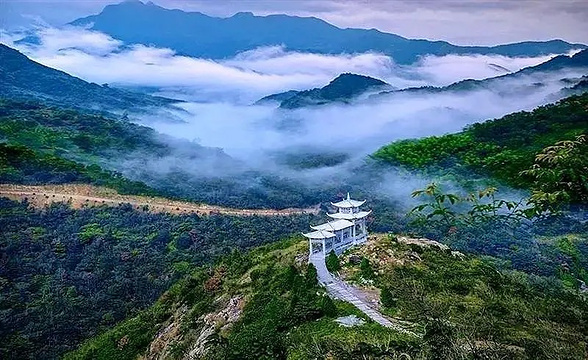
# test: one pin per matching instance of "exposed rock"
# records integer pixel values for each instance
(350, 321)
(301, 260)
(222, 320)
(160, 346)
(423, 242)
(355, 259)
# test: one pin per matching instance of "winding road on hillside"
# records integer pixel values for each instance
(339, 289)
(80, 196)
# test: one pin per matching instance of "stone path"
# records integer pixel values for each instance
(340, 290)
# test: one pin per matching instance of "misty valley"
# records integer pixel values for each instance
(160, 170)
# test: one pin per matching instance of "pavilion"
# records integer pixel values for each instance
(348, 228)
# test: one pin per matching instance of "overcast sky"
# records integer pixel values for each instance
(483, 22)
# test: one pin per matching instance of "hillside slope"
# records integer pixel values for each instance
(68, 274)
(22, 78)
(199, 35)
(501, 148)
(577, 63)
(266, 304)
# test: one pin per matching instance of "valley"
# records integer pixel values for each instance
(161, 164)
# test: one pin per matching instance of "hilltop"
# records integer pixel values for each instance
(267, 304)
(344, 88)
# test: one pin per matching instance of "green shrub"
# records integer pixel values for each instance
(332, 262)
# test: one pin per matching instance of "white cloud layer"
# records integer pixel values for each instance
(96, 57)
(218, 114)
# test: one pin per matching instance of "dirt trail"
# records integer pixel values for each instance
(78, 196)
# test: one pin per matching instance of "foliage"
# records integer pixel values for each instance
(500, 148)
(387, 298)
(21, 165)
(280, 300)
(464, 307)
(560, 175)
(471, 309)
(311, 275)
(68, 274)
(367, 272)
(442, 208)
(332, 262)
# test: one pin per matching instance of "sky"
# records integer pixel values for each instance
(473, 22)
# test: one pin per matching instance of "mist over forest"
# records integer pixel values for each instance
(164, 171)
(321, 150)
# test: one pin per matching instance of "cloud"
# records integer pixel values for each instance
(99, 58)
(258, 137)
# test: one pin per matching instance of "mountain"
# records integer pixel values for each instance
(23, 78)
(267, 304)
(279, 97)
(576, 61)
(199, 35)
(343, 88)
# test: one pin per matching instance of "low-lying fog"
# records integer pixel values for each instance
(218, 111)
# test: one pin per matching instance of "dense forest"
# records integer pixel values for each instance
(69, 274)
(49, 144)
(500, 148)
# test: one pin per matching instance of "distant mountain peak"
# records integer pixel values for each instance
(243, 14)
(344, 88)
(199, 35)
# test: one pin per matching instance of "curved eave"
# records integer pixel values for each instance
(349, 216)
(319, 235)
(348, 203)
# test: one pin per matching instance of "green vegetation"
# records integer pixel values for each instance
(23, 78)
(387, 299)
(332, 262)
(67, 274)
(501, 148)
(469, 308)
(286, 315)
(40, 144)
(461, 306)
(21, 165)
(560, 175)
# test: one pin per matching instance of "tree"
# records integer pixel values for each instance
(311, 275)
(366, 269)
(386, 298)
(332, 262)
(560, 176)
(441, 209)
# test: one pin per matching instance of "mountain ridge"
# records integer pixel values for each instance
(200, 35)
(23, 78)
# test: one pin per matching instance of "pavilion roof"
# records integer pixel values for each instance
(334, 225)
(353, 216)
(319, 234)
(348, 203)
